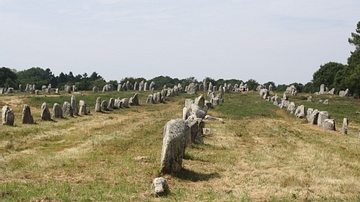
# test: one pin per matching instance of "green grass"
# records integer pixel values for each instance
(258, 153)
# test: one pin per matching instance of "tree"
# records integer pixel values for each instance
(326, 74)
(7, 77)
(34, 75)
(252, 84)
(353, 80)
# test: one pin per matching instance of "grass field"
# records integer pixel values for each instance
(258, 153)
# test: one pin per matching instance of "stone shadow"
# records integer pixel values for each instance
(194, 176)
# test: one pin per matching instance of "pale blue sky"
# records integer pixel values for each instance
(283, 41)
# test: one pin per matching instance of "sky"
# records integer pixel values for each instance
(283, 41)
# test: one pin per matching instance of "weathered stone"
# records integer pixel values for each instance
(200, 101)
(117, 103)
(74, 105)
(160, 187)
(152, 86)
(284, 104)
(173, 148)
(67, 109)
(150, 99)
(104, 105)
(124, 103)
(331, 92)
(291, 107)
(322, 89)
(344, 127)
(343, 93)
(111, 103)
(27, 118)
(8, 117)
(309, 99)
(186, 113)
(321, 117)
(82, 108)
(192, 88)
(95, 89)
(326, 102)
(98, 104)
(57, 111)
(134, 100)
(45, 112)
(264, 93)
(329, 124)
(312, 116)
(300, 111)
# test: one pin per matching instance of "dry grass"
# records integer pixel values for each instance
(113, 156)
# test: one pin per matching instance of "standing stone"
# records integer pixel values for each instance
(67, 109)
(291, 107)
(322, 89)
(186, 113)
(331, 92)
(343, 93)
(173, 148)
(312, 116)
(27, 118)
(104, 105)
(82, 108)
(124, 103)
(196, 126)
(160, 187)
(74, 105)
(152, 86)
(326, 102)
(300, 111)
(145, 86)
(117, 103)
(8, 116)
(192, 88)
(56, 90)
(344, 127)
(150, 99)
(321, 118)
(98, 104)
(57, 111)
(45, 112)
(111, 103)
(95, 89)
(134, 100)
(309, 99)
(329, 124)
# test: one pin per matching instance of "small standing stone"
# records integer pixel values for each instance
(27, 118)
(45, 112)
(98, 104)
(344, 128)
(160, 187)
(8, 116)
(57, 111)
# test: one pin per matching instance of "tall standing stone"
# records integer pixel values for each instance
(300, 111)
(111, 103)
(344, 127)
(45, 112)
(82, 108)
(74, 105)
(173, 148)
(67, 109)
(8, 116)
(321, 118)
(57, 111)
(27, 118)
(98, 104)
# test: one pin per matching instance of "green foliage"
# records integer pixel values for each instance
(252, 84)
(7, 77)
(34, 75)
(327, 74)
(309, 87)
